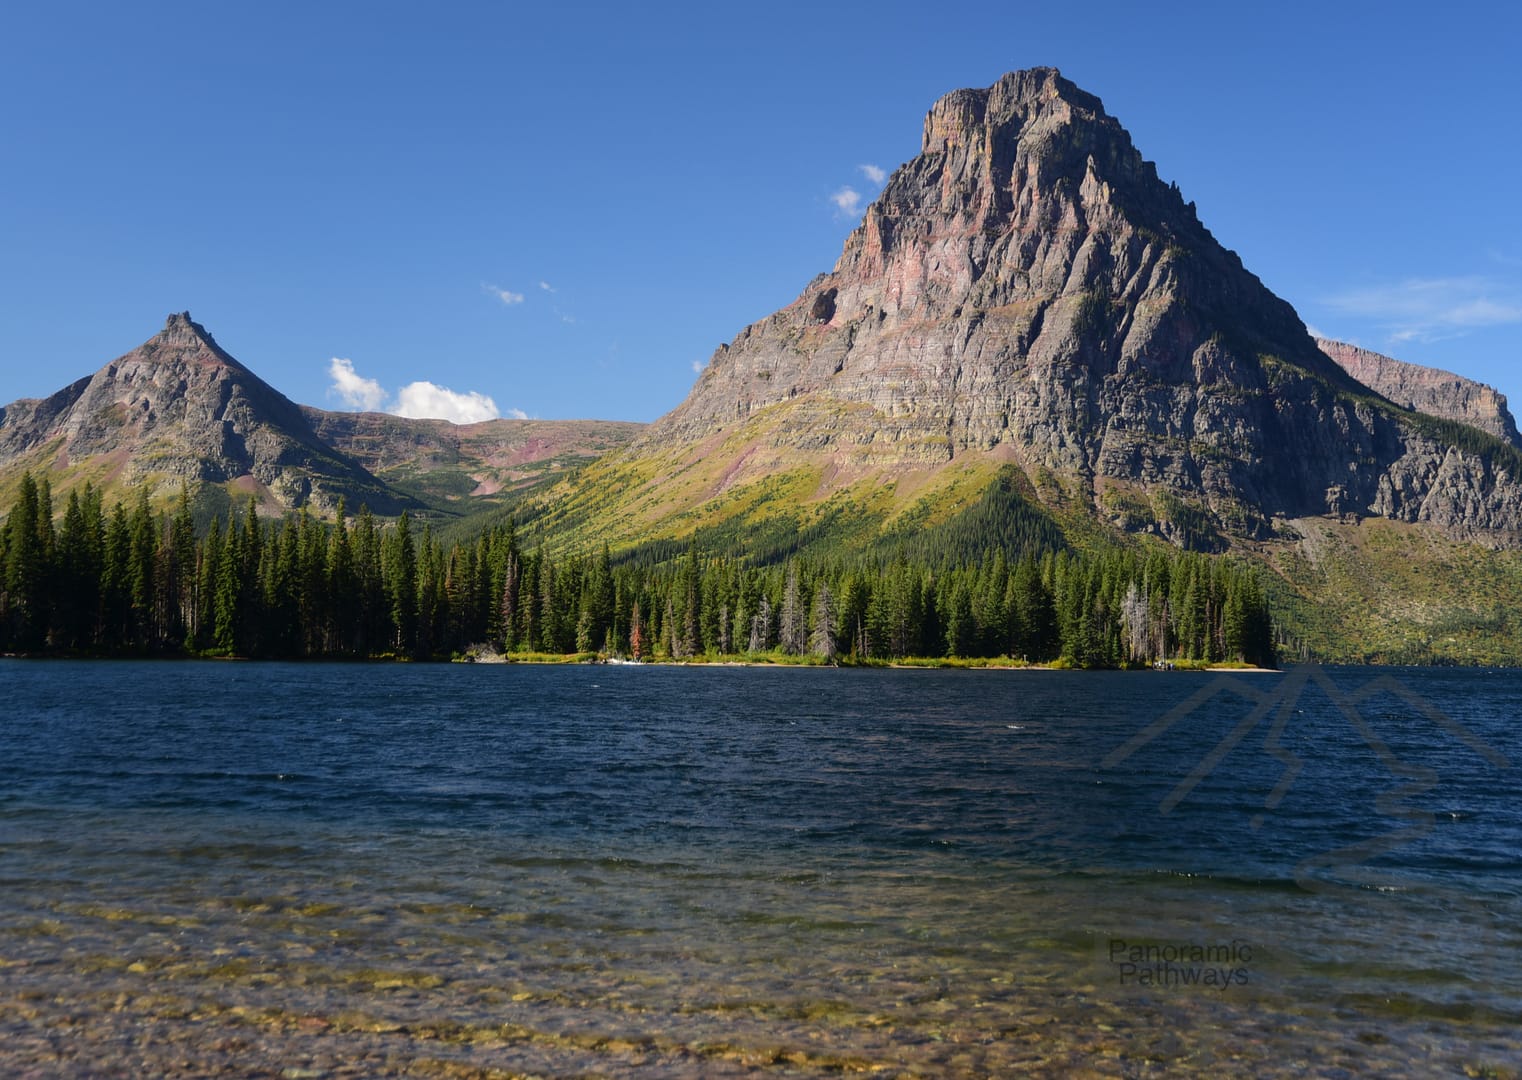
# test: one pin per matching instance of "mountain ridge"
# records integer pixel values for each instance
(1429, 390)
(181, 409)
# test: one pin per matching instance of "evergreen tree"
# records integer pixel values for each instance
(227, 593)
(761, 639)
(25, 580)
(823, 640)
(961, 636)
(510, 616)
(636, 633)
(400, 568)
(791, 631)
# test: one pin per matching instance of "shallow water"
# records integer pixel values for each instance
(311, 870)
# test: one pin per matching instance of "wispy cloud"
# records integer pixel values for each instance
(546, 286)
(698, 366)
(507, 296)
(847, 202)
(419, 400)
(352, 389)
(875, 173)
(1430, 309)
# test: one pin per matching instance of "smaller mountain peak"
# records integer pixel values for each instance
(181, 330)
(180, 325)
(181, 338)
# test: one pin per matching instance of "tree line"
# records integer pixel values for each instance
(129, 581)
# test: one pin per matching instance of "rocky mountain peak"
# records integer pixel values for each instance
(184, 339)
(1027, 287)
(975, 117)
(178, 407)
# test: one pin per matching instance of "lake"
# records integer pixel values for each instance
(308, 870)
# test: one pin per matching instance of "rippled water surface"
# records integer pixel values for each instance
(307, 870)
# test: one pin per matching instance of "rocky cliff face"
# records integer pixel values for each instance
(180, 408)
(1028, 286)
(1428, 390)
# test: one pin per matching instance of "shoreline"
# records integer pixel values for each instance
(910, 663)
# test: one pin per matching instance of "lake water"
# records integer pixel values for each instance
(330, 870)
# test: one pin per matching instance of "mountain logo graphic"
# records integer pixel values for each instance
(1276, 707)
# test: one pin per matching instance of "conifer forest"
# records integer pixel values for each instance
(125, 580)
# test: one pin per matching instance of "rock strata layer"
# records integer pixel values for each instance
(1429, 390)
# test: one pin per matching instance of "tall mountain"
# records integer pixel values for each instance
(1427, 390)
(1027, 291)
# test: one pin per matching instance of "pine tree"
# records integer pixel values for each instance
(1035, 613)
(400, 562)
(1136, 622)
(79, 573)
(180, 573)
(792, 630)
(25, 571)
(823, 640)
(227, 594)
(961, 636)
(761, 626)
(345, 609)
(636, 633)
(509, 606)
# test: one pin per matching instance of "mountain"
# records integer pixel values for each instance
(1028, 298)
(1427, 390)
(453, 464)
(179, 408)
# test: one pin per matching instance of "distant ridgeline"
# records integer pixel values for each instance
(127, 581)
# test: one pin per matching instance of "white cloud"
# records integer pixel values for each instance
(546, 286)
(426, 400)
(1429, 309)
(847, 202)
(1314, 331)
(698, 366)
(507, 296)
(875, 173)
(352, 389)
(417, 400)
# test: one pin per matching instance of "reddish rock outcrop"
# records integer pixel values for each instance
(1429, 390)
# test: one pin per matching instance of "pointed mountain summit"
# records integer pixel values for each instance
(180, 408)
(1028, 293)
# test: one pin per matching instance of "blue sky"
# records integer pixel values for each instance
(564, 208)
